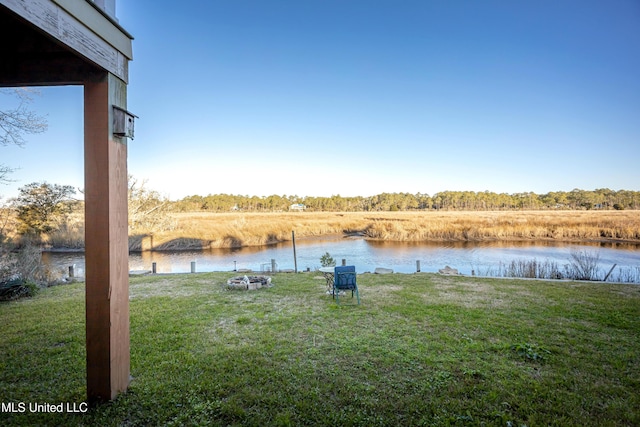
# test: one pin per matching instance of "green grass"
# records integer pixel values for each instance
(420, 349)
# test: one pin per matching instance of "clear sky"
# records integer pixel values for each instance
(360, 97)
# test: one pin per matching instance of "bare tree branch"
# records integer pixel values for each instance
(16, 122)
(4, 171)
(148, 211)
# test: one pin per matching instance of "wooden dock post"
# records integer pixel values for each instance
(609, 273)
(295, 260)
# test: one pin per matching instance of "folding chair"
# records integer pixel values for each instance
(345, 279)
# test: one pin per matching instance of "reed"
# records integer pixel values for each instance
(216, 230)
(201, 230)
(626, 275)
(478, 226)
(583, 265)
(211, 230)
(532, 269)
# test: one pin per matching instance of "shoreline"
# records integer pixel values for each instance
(353, 236)
(138, 273)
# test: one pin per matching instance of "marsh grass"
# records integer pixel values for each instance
(217, 230)
(583, 265)
(202, 230)
(420, 349)
(529, 269)
(626, 275)
(207, 230)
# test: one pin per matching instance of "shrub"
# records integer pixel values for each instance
(17, 288)
(327, 260)
(21, 270)
(584, 265)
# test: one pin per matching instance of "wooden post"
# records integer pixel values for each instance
(273, 265)
(418, 266)
(609, 273)
(295, 260)
(153, 267)
(71, 271)
(106, 246)
(344, 262)
(193, 266)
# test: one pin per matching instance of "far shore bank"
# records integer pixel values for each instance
(201, 230)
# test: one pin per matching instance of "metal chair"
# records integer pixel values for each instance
(345, 279)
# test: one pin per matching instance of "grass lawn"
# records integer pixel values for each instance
(420, 349)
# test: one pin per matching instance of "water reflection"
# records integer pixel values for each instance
(367, 255)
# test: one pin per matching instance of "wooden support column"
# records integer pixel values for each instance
(107, 261)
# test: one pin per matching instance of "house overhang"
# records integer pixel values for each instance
(54, 42)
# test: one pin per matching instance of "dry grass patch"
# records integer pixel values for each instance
(175, 286)
(378, 291)
(469, 294)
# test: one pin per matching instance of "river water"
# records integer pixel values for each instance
(483, 258)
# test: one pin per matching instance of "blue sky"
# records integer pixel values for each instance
(323, 97)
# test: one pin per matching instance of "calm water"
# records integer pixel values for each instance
(367, 256)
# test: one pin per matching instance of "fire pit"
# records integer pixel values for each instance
(249, 282)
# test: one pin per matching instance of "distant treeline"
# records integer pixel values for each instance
(448, 200)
